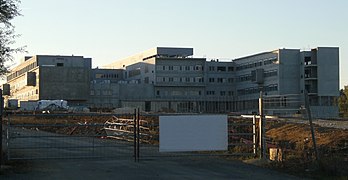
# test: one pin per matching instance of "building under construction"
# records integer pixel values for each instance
(172, 80)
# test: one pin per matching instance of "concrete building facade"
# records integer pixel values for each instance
(172, 80)
(43, 77)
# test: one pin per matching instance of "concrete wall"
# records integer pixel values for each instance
(328, 71)
(324, 111)
(136, 91)
(68, 83)
(104, 94)
(140, 57)
(66, 61)
(289, 71)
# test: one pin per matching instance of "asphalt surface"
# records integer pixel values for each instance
(121, 166)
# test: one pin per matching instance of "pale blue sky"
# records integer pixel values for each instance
(108, 30)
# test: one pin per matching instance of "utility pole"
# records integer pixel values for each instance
(309, 115)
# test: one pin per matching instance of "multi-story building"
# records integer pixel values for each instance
(289, 73)
(170, 79)
(50, 77)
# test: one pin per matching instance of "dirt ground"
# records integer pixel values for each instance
(294, 138)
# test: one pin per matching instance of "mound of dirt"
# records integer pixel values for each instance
(299, 158)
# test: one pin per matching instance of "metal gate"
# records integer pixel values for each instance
(68, 136)
(134, 136)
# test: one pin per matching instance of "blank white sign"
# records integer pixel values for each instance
(193, 133)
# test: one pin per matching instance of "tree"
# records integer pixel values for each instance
(8, 11)
(343, 102)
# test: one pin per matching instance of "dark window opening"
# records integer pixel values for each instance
(221, 68)
(60, 64)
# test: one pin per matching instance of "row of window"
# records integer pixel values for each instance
(21, 71)
(193, 93)
(101, 92)
(256, 64)
(181, 79)
(112, 76)
(180, 68)
(255, 90)
(222, 93)
(247, 77)
(221, 80)
(27, 94)
(270, 73)
(221, 68)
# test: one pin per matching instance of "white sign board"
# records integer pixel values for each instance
(193, 133)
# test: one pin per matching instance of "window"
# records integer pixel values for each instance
(146, 80)
(199, 79)
(211, 68)
(271, 73)
(222, 93)
(211, 80)
(230, 80)
(230, 93)
(60, 64)
(210, 92)
(221, 68)
(308, 60)
(157, 92)
(219, 80)
(198, 68)
(230, 68)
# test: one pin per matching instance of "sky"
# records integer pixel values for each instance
(107, 30)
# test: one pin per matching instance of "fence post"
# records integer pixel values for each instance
(1, 111)
(138, 134)
(135, 135)
(254, 135)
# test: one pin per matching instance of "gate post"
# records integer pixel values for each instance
(262, 124)
(1, 111)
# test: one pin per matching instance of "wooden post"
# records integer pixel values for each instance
(309, 115)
